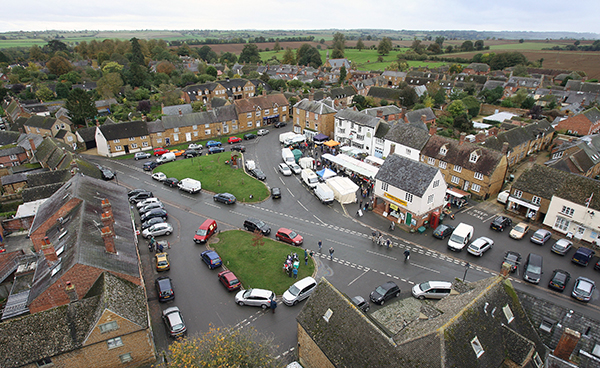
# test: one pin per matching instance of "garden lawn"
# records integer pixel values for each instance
(262, 270)
(217, 176)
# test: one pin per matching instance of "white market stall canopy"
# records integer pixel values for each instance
(344, 189)
(352, 164)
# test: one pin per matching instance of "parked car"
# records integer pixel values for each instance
(249, 136)
(150, 165)
(480, 246)
(162, 228)
(257, 173)
(133, 192)
(432, 290)
(174, 322)
(285, 169)
(500, 223)
(162, 261)
(559, 280)
(159, 176)
(296, 169)
(147, 201)
(226, 198)
(361, 303)
(597, 266)
(152, 221)
(562, 246)
(519, 231)
(213, 150)
(160, 151)
(195, 146)
(164, 289)
(275, 193)
(583, 289)
(150, 206)
(385, 292)
(205, 231)
(540, 237)
(253, 224)
(211, 258)
(232, 140)
(172, 182)
(107, 174)
(189, 153)
(262, 132)
(239, 148)
(532, 270)
(255, 298)
(141, 155)
(157, 212)
(280, 124)
(443, 231)
(299, 291)
(582, 256)
(213, 144)
(513, 259)
(140, 196)
(229, 280)
(289, 236)
(177, 152)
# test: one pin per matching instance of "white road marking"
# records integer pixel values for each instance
(288, 189)
(489, 218)
(423, 267)
(358, 277)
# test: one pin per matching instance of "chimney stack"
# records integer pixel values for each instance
(108, 221)
(264, 92)
(107, 207)
(71, 292)
(32, 144)
(505, 270)
(505, 148)
(180, 112)
(462, 138)
(311, 94)
(48, 250)
(433, 128)
(567, 343)
(109, 240)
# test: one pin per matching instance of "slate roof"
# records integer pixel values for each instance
(491, 84)
(11, 151)
(592, 114)
(87, 134)
(408, 135)
(174, 110)
(338, 63)
(394, 74)
(217, 115)
(264, 102)
(155, 126)
(17, 125)
(358, 118)
(342, 92)
(382, 129)
(14, 178)
(316, 107)
(577, 189)
(37, 121)
(515, 137)
(64, 329)
(415, 116)
(386, 110)
(384, 93)
(123, 130)
(459, 154)
(218, 102)
(409, 175)
(48, 177)
(540, 181)
(40, 192)
(8, 137)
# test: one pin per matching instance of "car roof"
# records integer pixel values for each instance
(584, 250)
(210, 254)
(300, 284)
(542, 231)
(389, 285)
(261, 292)
(581, 278)
(444, 284)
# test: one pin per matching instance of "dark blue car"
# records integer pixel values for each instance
(211, 258)
(212, 150)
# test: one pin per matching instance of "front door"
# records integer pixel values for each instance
(466, 187)
(126, 147)
(408, 218)
(188, 137)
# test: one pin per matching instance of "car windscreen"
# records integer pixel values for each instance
(294, 290)
(201, 232)
(457, 238)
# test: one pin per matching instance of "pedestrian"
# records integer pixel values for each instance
(331, 253)
(320, 246)
(273, 305)
(295, 271)
(360, 205)
(305, 257)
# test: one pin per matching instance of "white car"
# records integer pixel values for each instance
(255, 297)
(296, 169)
(150, 206)
(262, 132)
(162, 228)
(480, 246)
(195, 146)
(285, 169)
(159, 176)
(146, 202)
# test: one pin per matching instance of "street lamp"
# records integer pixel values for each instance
(467, 266)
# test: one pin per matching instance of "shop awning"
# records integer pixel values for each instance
(352, 164)
(523, 203)
(331, 143)
(320, 137)
(457, 193)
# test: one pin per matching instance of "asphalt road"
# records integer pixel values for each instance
(357, 267)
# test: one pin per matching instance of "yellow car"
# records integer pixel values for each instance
(162, 262)
(178, 152)
(519, 231)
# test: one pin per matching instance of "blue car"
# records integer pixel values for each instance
(212, 150)
(213, 144)
(211, 258)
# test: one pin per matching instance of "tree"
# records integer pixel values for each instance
(109, 85)
(440, 40)
(81, 106)
(36, 53)
(527, 103)
(434, 48)
(520, 71)
(112, 67)
(479, 45)
(197, 106)
(417, 46)
(535, 112)
(144, 106)
(360, 45)
(288, 57)
(339, 43)
(456, 108)
(408, 96)
(228, 58)
(59, 65)
(276, 47)
(472, 105)
(455, 68)
(277, 84)
(250, 54)
(463, 123)
(258, 240)
(385, 46)
(137, 57)
(62, 89)
(211, 70)
(166, 67)
(56, 45)
(44, 93)
(337, 54)
(308, 55)
(491, 96)
(342, 75)
(467, 46)
(72, 77)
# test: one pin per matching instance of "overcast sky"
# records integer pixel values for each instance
(480, 15)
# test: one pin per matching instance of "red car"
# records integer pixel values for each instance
(289, 236)
(229, 280)
(233, 140)
(160, 151)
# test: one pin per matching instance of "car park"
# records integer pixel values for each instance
(255, 298)
(583, 289)
(189, 153)
(289, 236)
(226, 198)
(140, 196)
(280, 124)
(275, 193)
(285, 169)
(150, 165)
(296, 169)
(174, 321)
(519, 231)
(361, 303)
(541, 236)
(162, 228)
(195, 146)
(172, 182)
(159, 176)
(157, 212)
(232, 140)
(150, 206)
(262, 132)
(582, 256)
(160, 151)
(213, 150)
(257, 173)
(559, 280)
(152, 221)
(254, 224)
(500, 223)
(562, 246)
(147, 201)
(249, 136)
(432, 290)
(299, 291)
(164, 289)
(385, 292)
(239, 148)
(213, 144)
(480, 246)
(211, 258)
(513, 259)
(229, 280)
(205, 231)
(532, 270)
(141, 155)
(161, 261)
(443, 231)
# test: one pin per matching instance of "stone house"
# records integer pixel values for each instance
(580, 157)
(237, 89)
(46, 126)
(389, 113)
(314, 117)
(360, 130)
(342, 96)
(258, 111)
(117, 139)
(203, 92)
(393, 78)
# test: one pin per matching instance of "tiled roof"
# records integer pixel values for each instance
(8, 137)
(385, 110)
(358, 118)
(14, 178)
(177, 109)
(578, 189)
(41, 192)
(264, 102)
(316, 107)
(11, 151)
(48, 177)
(416, 115)
(384, 93)
(87, 134)
(540, 181)
(408, 175)
(37, 121)
(408, 135)
(123, 130)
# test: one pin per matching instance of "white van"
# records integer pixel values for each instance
(167, 157)
(324, 193)
(503, 196)
(299, 291)
(460, 237)
(310, 178)
(287, 156)
(191, 186)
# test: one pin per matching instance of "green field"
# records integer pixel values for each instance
(6, 44)
(525, 46)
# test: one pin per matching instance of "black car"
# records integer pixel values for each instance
(257, 173)
(226, 198)
(150, 165)
(500, 223)
(107, 174)
(443, 231)
(133, 192)
(513, 259)
(140, 196)
(249, 136)
(152, 221)
(164, 289)
(275, 192)
(280, 124)
(361, 303)
(384, 292)
(239, 148)
(172, 182)
(212, 150)
(253, 224)
(191, 153)
(157, 212)
(532, 269)
(559, 280)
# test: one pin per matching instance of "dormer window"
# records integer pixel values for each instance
(443, 150)
(474, 156)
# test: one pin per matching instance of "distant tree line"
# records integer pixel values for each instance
(576, 46)
(223, 41)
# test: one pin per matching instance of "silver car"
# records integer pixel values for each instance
(150, 206)
(255, 297)
(162, 228)
(285, 169)
(562, 246)
(174, 321)
(480, 246)
(296, 169)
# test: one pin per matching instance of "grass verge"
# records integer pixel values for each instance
(259, 268)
